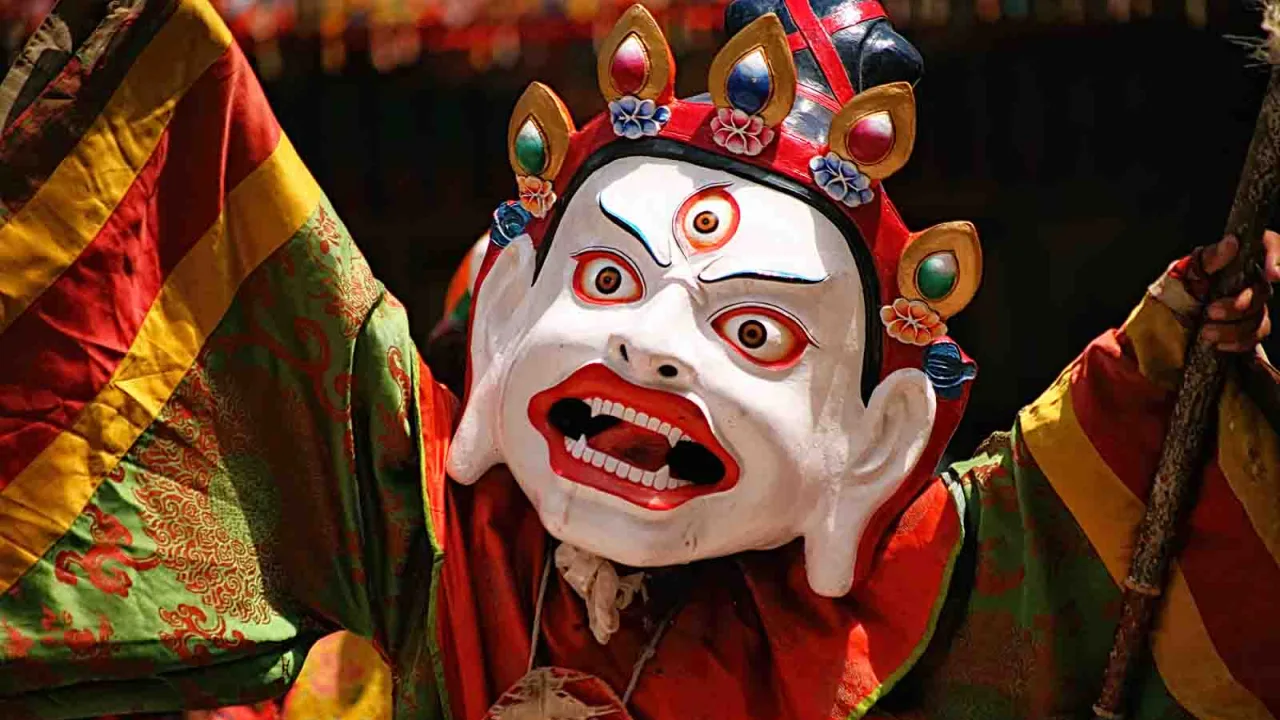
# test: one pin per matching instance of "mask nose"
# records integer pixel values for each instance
(639, 359)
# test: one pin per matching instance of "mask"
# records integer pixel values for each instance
(675, 373)
(682, 379)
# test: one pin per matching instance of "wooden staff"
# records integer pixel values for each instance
(1182, 458)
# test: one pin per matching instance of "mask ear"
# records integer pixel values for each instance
(497, 319)
(894, 429)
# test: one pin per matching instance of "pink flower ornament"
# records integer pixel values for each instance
(740, 133)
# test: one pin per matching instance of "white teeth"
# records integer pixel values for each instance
(631, 415)
(659, 480)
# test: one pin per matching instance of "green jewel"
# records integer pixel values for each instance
(936, 276)
(531, 148)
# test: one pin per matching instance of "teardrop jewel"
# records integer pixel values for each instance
(531, 147)
(871, 138)
(750, 83)
(630, 66)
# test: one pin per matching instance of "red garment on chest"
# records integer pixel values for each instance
(751, 641)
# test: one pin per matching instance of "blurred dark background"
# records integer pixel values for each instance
(1092, 143)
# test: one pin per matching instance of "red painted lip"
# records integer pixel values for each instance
(598, 381)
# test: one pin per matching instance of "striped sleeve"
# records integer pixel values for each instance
(215, 428)
(1096, 436)
(1051, 512)
(118, 248)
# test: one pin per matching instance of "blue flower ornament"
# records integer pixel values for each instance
(841, 179)
(635, 118)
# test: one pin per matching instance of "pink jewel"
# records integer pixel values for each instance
(871, 138)
(630, 66)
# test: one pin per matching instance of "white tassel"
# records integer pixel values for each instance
(596, 581)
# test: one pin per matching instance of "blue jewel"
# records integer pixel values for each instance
(749, 83)
(509, 222)
(947, 370)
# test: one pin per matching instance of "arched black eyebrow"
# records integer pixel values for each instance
(631, 229)
(768, 275)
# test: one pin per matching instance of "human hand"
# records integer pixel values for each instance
(1239, 323)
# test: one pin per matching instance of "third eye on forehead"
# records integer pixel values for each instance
(707, 220)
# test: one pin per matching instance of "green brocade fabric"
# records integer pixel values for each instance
(1031, 612)
(276, 498)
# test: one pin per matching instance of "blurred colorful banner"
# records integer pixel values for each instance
(401, 29)
(448, 24)
(396, 32)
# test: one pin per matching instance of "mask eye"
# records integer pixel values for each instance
(707, 219)
(604, 277)
(765, 336)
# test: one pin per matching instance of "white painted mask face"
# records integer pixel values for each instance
(683, 379)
